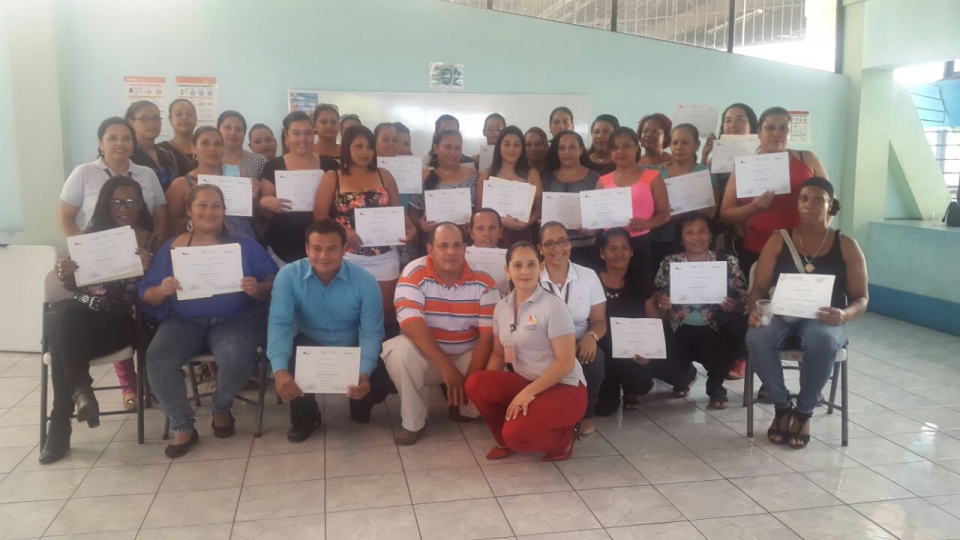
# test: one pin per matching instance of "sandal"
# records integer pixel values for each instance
(680, 391)
(718, 402)
(130, 401)
(778, 431)
(630, 402)
(762, 395)
(800, 440)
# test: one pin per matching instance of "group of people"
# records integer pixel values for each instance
(533, 356)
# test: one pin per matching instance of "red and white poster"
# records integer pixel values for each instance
(152, 89)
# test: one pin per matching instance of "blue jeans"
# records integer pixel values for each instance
(232, 341)
(594, 372)
(819, 342)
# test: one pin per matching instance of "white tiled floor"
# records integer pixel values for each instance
(673, 470)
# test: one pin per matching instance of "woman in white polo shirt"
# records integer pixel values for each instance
(535, 406)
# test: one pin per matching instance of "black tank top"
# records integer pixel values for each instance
(830, 264)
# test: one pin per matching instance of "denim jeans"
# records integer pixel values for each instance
(594, 372)
(820, 344)
(232, 341)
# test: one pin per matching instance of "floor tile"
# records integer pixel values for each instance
(27, 519)
(358, 461)
(281, 500)
(104, 535)
(437, 455)
(395, 523)
(195, 532)
(120, 453)
(11, 457)
(194, 475)
(949, 503)
(929, 444)
(40, 485)
(682, 530)
(443, 485)
(711, 499)
(622, 506)
(589, 534)
(462, 520)
(875, 451)
(481, 446)
(203, 507)
(781, 492)
(135, 480)
(817, 456)
(673, 467)
(925, 479)
(935, 417)
(858, 485)
(832, 523)
(715, 435)
(758, 527)
(739, 462)
(912, 518)
(547, 513)
(275, 442)
(600, 472)
(281, 468)
(524, 478)
(312, 526)
(96, 514)
(371, 491)
(81, 456)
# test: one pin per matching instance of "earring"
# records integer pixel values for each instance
(189, 225)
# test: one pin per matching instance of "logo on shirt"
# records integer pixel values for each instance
(531, 323)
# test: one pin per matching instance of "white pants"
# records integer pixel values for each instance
(413, 374)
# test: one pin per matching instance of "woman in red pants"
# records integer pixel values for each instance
(536, 406)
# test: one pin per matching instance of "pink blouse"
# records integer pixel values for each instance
(641, 193)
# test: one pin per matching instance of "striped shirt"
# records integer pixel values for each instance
(456, 314)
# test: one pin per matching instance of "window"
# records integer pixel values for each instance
(945, 144)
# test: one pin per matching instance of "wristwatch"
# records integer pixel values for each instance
(596, 338)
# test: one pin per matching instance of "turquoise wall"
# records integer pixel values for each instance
(260, 49)
(11, 215)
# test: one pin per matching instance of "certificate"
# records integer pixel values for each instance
(509, 198)
(492, 261)
(486, 156)
(237, 193)
(298, 187)
(760, 173)
(380, 226)
(802, 295)
(689, 192)
(327, 370)
(406, 170)
(704, 117)
(453, 205)
(204, 271)
(698, 282)
(105, 256)
(562, 207)
(729, 147)
(606, 208)
(642, 337)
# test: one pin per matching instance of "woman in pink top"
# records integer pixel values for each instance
(651, 207)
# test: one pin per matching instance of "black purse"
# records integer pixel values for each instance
(952, 216)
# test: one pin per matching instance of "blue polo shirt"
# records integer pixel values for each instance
(345, 313)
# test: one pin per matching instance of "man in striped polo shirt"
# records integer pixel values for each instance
(445, 310)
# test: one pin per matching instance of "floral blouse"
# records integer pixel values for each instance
(736, 288)
(345, 203)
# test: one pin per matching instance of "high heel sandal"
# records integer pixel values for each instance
(565, 455)
(779, 415)
(798, 440)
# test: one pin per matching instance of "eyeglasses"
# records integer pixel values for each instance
(617, 249)
(115, 204)
(550, 244)
(147, 119)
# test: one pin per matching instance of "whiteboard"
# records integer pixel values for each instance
(419, 112)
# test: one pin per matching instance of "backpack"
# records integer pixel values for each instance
(952, 216)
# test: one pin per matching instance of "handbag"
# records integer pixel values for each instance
(952, 215)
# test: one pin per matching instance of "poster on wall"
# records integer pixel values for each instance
(152, 89)
(445, 76)
(303, 100)
(800, 127)
(202, 92)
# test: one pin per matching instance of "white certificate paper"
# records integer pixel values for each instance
(406, 170)
(760, 173)
(729, 147)
(689, 192)
(698, 282)
(298, 187)
(105, 256)
(453, 205)
(802, 295)
(704, 117)
(204, 271)
(492, 261)
(327, 370)
(237, 192)
(563, 208)
(509, 198)
(606, 208)
(637, 336)
(486, 156)
(380, 226)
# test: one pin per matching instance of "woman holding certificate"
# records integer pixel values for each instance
(654, 131)
(811, 248)
(445, 171)
(510, 163)
(648, 195)
(566, 173)
(767, 213)
(285, 232)
(237, 161)
(361, 185)
(231, 325)
(97, 321)
(700, 330)
(536, 406)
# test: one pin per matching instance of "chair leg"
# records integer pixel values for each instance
(193, 383)
(748, 397)
(44, 379)
(262, 395)
(833, 387)
(845, 405)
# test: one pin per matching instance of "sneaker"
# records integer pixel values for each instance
(738, 371)
(296, 435)
(406, 437)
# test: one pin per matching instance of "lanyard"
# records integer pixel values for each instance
(566, 295)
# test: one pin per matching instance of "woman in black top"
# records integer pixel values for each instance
(145, 118)
(567, 172)
(598, 156)
(183, 120)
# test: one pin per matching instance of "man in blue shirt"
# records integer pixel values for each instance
(334, 303)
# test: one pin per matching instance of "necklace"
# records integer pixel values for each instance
(809, 266)
(444, 170)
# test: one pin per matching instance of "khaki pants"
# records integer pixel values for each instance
(413, 373)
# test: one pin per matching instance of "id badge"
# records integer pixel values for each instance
(509, 354)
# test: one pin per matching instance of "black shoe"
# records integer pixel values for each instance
(174, 451)
(296, 434)
(58, 442)
(360, 411)
(225, 431)
(88, 410)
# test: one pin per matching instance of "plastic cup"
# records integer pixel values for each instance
(765, 308)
